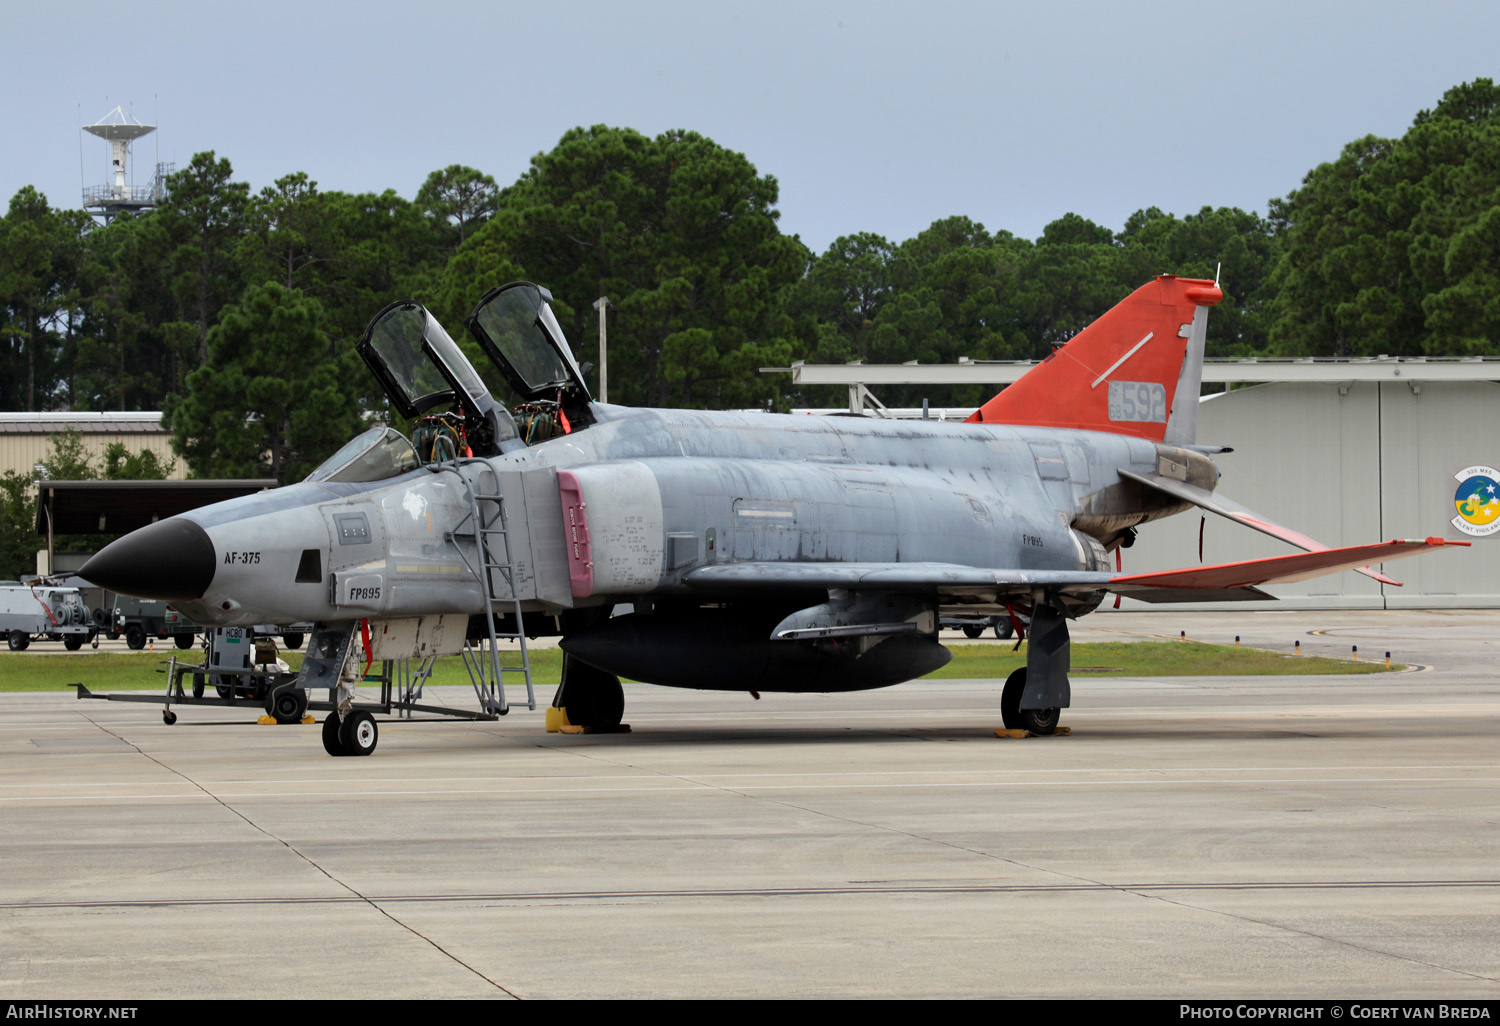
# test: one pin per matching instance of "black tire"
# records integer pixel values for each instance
(292, 639)
(591, 697)
(1005, 630)
(223, 692)
(135, 637)
(73, 642)
(197, 685)
(183, 640)
(972, 630)
(331, 743)
(358, 735)
(112, 635)
(19, 641)
(287, 704)
(1037, 721)
(168, 717)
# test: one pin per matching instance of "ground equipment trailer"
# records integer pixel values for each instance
(37, 611)
(240, 668)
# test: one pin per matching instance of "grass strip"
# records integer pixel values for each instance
(137, 671)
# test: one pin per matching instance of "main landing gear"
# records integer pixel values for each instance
(1037, 721)
(591, 698)
(1035, 695)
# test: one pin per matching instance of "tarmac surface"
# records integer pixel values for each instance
(1329, 837)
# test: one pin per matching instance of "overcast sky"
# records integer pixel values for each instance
(872, 116)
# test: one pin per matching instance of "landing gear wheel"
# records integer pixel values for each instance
(19, 641)
(358, 734)
(1037, 721)
(287, 704)
(73, 642)
(292, 639)
(135, 637)
(183, 640)
(591, 697)
(331, 743)
(973, 630)
(1005, 630)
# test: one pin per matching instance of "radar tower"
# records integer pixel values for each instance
(120, 130)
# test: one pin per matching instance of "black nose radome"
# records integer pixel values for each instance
(171, 560)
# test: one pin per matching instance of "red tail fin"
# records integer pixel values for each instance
(1134, 371)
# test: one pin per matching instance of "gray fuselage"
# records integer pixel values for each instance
(667, 492)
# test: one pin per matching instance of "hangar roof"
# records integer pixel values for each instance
(144, 422)
(1215, 371)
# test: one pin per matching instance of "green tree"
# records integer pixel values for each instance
(40, 257)
(275, 397)
(120, 464)
(459, 199)
(68, 459)
(134, 345)
(1237, 247)
(1393, 247)
(954, 286)
(1074, 273)
(679, 232)
(18, 538)
(285, 226)
(204, 217)
(845, 289)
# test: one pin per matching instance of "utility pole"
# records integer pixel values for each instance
(601, 304)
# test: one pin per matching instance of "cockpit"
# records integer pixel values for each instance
(428, 379)
(373, 455)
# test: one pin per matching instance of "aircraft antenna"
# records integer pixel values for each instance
(1217, 267)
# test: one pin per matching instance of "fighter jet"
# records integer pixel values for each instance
(757, 552)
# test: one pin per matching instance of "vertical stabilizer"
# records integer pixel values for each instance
(1134, 371)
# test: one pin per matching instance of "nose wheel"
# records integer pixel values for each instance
(356, 734)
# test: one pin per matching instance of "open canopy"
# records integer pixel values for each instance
(517, 330)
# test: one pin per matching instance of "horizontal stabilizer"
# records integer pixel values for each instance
(1158, 596)
(1298, 566)
(1228, 508)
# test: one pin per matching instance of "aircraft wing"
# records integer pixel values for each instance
(1221, 582)
(1231, 510)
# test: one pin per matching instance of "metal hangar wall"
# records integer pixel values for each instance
(1347, 463)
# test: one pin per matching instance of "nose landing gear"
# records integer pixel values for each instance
(355, 734)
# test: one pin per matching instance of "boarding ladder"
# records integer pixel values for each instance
(490, 532)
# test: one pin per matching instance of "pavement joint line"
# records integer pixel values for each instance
(1335, 941)
(1352, 768)
(1080, 885)
(686, 787)
(355, 894)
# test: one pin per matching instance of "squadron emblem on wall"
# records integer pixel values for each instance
(1478, 501)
